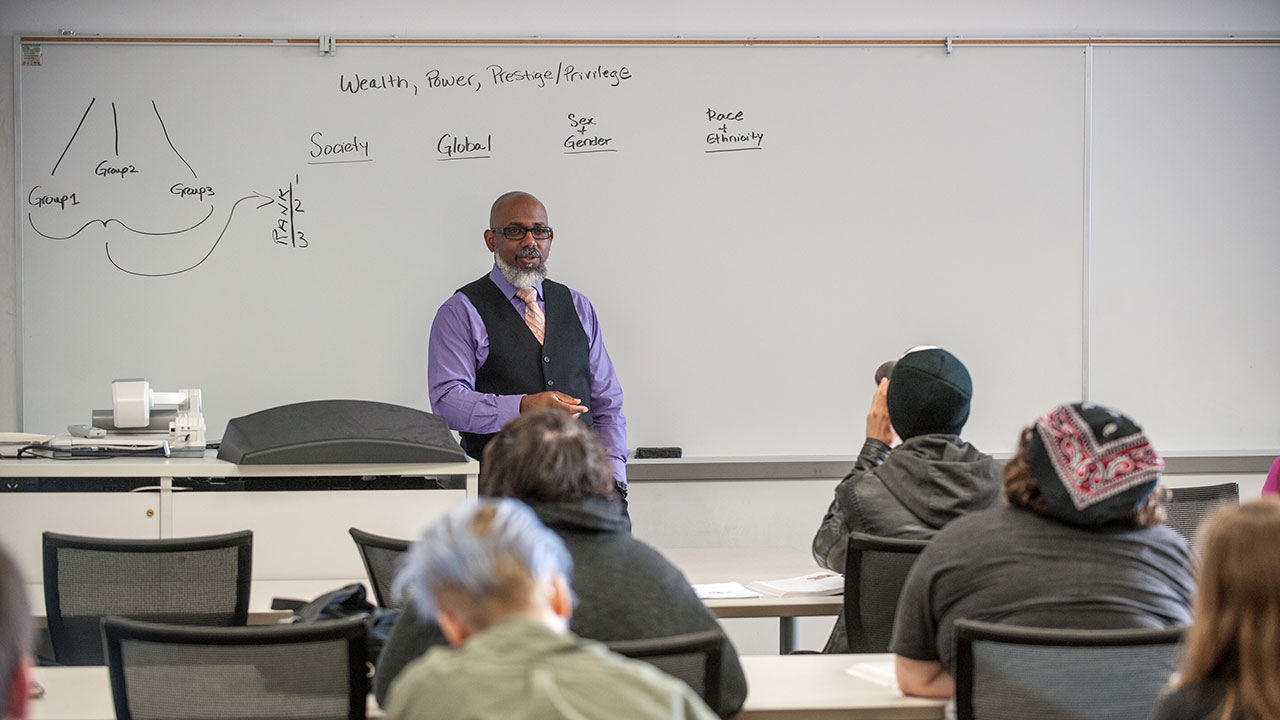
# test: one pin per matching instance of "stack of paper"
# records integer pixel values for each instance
(816, 585)
(12, 442)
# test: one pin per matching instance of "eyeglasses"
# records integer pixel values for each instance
(516, 232)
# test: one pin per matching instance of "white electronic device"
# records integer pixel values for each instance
(132, 401)
(86, 431)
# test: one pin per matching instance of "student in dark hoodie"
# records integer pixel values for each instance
(625, 589)
(912, 490)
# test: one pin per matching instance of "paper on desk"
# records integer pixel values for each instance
(11, 442)
(880, 673)
(723, 591)
(818, 584)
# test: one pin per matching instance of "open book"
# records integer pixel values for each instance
(816, 584)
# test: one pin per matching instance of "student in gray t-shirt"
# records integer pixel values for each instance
(1080, 544)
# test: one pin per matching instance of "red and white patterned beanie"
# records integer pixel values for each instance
(1093, 465)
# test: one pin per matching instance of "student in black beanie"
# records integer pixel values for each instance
(931, 478)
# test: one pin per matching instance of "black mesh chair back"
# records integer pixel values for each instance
(189, 581)
(315, 671)
(875, 570)
(382, 557)
(1008, 671)
(1189, 507)
(695, 658)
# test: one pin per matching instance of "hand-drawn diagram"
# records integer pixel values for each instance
(121, 172)
(143, 194)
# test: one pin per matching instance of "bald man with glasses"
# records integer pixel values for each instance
(514, 341)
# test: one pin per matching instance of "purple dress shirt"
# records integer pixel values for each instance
(459, 344)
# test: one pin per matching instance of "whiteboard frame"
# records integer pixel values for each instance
(947, 44)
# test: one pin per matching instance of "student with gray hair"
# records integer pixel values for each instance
(15, 640)
(496, 581)
(626, 590)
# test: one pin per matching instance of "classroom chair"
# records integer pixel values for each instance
(1014, 672)
(190, 581)
(382, 557)
(1189, 507)
(875, 570)
(316, 671)
(695, 658)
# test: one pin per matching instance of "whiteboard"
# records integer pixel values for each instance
(870, 199)
(1186, 243)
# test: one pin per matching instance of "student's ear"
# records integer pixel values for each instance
(561, 597)
(455, 630)
(15, 705)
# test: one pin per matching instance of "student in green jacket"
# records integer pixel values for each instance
(495, 579)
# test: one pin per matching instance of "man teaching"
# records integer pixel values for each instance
(514, 341)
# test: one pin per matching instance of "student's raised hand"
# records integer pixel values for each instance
(554, 401)
(878, 425)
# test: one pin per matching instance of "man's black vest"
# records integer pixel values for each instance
(517, 364)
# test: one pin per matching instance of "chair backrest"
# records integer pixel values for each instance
(1189, 507)
(382, 557)
(316, 671)
(874, 572)
(695, 658)
(1008, 671)
(189, 581)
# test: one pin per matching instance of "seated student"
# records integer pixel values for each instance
(15, 640)
(926, 482)
(1231, 665)
(1080, 544)
(496, 581)
(626, 590)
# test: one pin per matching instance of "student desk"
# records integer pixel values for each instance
(261, 593)
(797, 687)
(747, 564)
(84, 693)
(819, 687)
(700, 565)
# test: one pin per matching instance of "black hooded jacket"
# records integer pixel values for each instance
(909, 492)
(625, 590)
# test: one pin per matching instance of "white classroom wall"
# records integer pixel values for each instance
(666, 513)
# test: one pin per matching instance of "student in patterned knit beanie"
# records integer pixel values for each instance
(1080, 544)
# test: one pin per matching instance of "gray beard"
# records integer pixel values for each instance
(521, 278)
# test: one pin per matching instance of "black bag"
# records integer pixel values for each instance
(347, 601)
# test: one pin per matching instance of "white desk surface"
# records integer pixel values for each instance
(84, 693)
(818, 687)
(747, 564)
(700, 565)
(797, 687)
(261, 594)
(211, 467)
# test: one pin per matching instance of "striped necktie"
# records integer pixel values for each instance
(533, 316)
